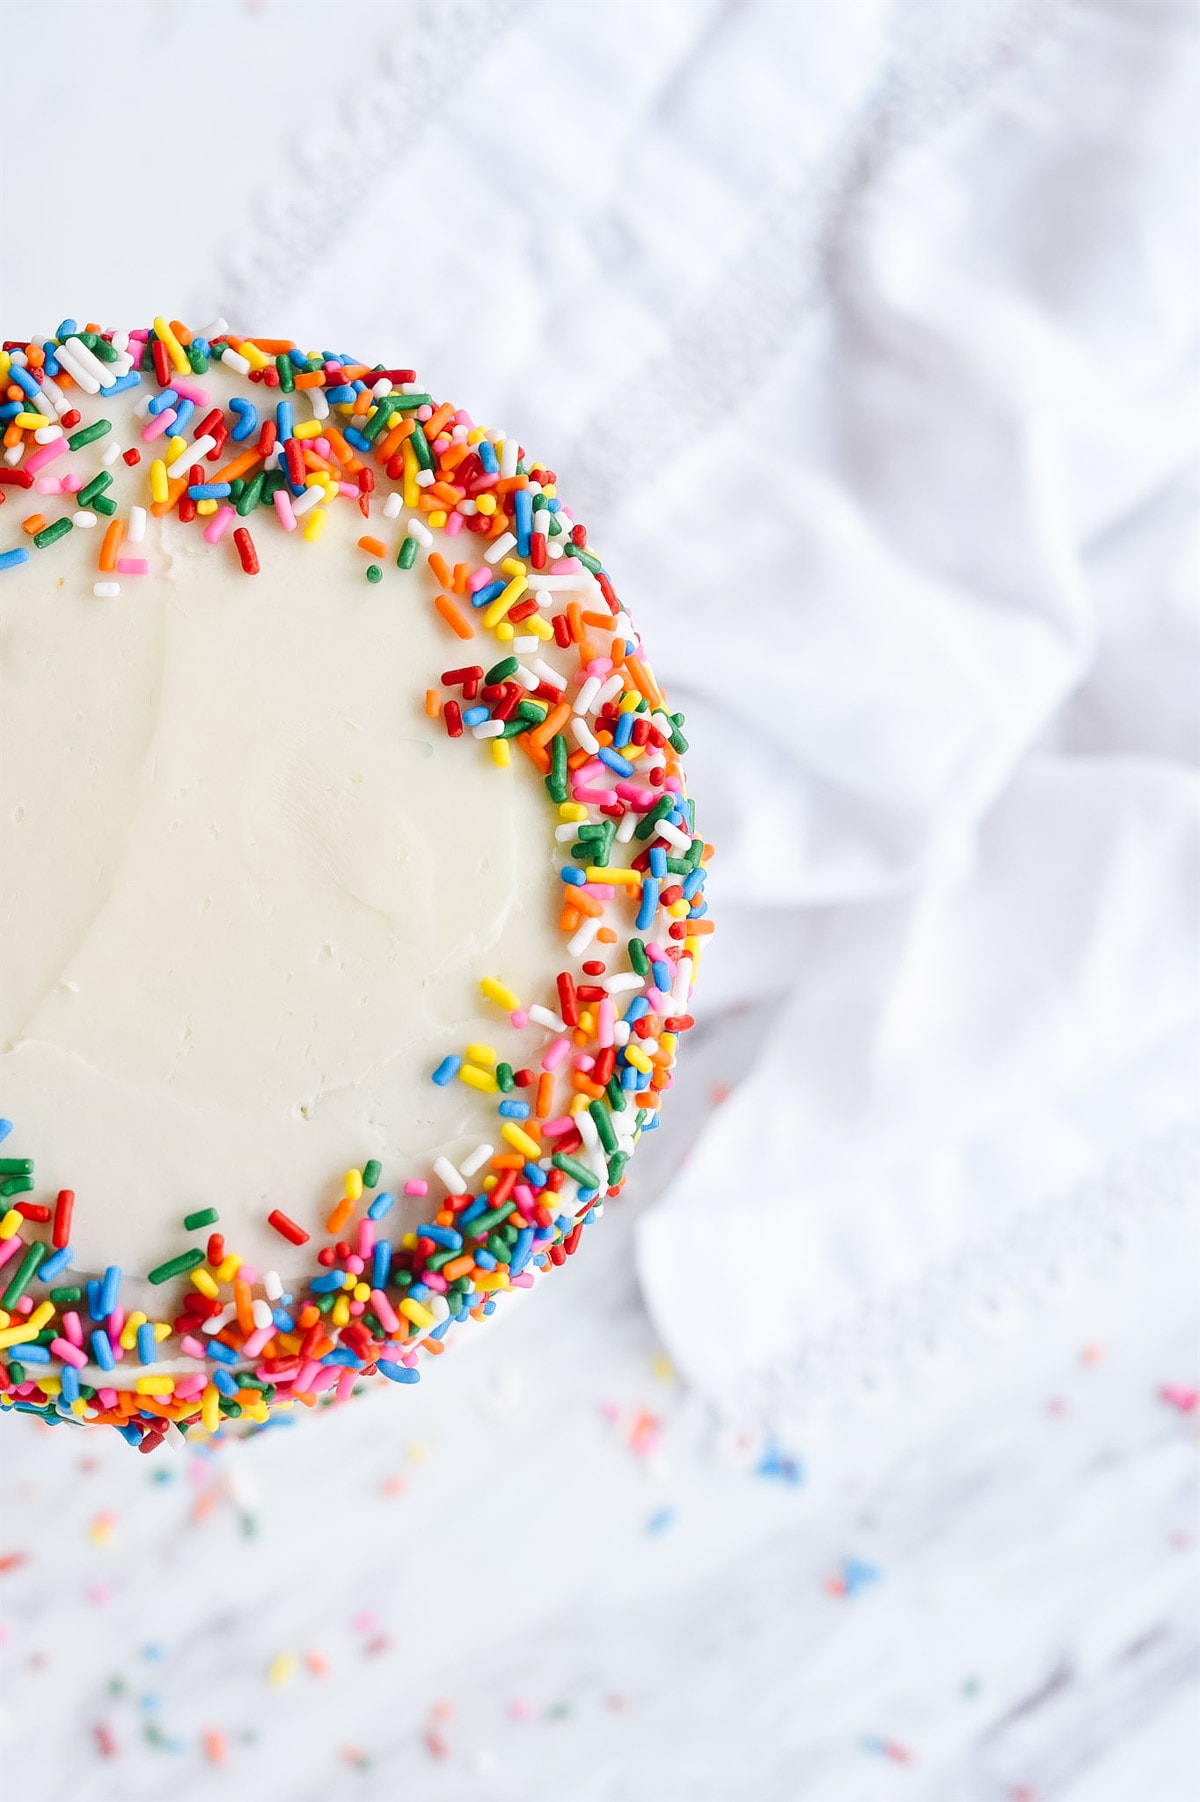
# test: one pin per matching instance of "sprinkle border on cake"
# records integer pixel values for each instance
(311, 431)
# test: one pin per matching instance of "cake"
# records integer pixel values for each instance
(350, 891)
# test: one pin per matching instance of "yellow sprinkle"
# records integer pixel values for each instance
(520, 1141)
(204, 1281)
(540, 628)
(629, 702)
(174, 348)
(490, 1279)
(256, 358)
(50, 1385)
(362, 1291)
(155, 1385)
(497, 992)
(418, 1452)
(409, 1242)
(11, 1224)
(483, 1080)
(667, 1043)
(486, 504)
(41, 1315)
(129, 1330)
(499, 607)
(228, 1268)
(587, 1020)
(438, 517)
(17, 1335)
(308, 428)
(412, 1310)
(678, 910)
(162, 1330)
(513, 566)
(30, 422)
(210, 1409)
(550, 490)
(637, 1058)
(314, 525)
(340, 1311)
(483, 1054)
(353, 1185)
(204, 508)
(572, 810)
(175, 447)
(410, 491)
(620, 878)
(158, 480)
(282, 1670)
(506, 632)
(501, 754)
(489, 1183)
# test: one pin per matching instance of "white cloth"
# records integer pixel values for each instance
(864, 338)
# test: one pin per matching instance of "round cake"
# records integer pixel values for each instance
(350, 891)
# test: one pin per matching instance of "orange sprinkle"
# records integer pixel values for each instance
(453, 617)
(390, 443)
(34, 523)
(229, 472)
(554, 721)
(340, 1215)
(309, 378)
(535, 753)
(570, 919)
(110, 544)
(544, 1099)
(242, 1302)
(461, 572)
(508, 1160)
(606, 936)
(458, 1267)
(436, 421)
(587, 904)
(584, 1084)
(440, 568)
(433, 703)
(273, 347)
(376, 546)
(349, 460)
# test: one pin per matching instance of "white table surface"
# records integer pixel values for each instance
(546, 1575)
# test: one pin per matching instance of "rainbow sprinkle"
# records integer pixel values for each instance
(315, 430)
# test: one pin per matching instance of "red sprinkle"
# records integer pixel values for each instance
(64, 1207)
(246, 551)
(290, 1231)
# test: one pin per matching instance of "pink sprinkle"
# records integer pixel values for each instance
(107, 1397)
(327, 1375)
(70, 1354)
(192, 1347)
(555, 1053)
(385, 1311)
(584, 1062)
(558, 1129)
(602, 891)
(73, 1327)
(519, 1018)
(218, 525)
(606, 1015)
(479, 578)
(354, 1265)
(133, 566)
(599, 666)
(416, 1186)
(349, 489)
(9, 1249)
(162, 422)
(524, 1195)
(283, 507)
(433, 1279)
(49, 485)
(190, 390)
(455, 524)
(366, 1237)
(189, 1386)
(257, 1340)
(345, 1383)
(72, 484)
(1177, 1396)
(45, 455)
(524, 1281)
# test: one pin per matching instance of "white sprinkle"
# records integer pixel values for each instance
(106, 591)
(673, 835)
(199, 448)
(232, 360)
(549, 675)
(621, 1032)
(682, 983)
(137, 525)
(521, 646)
(623, 983)
(584, 737)
(318, 402)
(111, 454)
(443, 1168)
(83, 519)
(78, 353)
(467, 509)
(141, 408)
(564, 834)
(544, 1017)
(216, 328)
(610, 690)
(579, 943)
(305, 502)
(524, 676)
(489, 729)
(273, 1283)
(425, 478)
(120, 341)
(626, 828)
(500, 548)
(54, 394)
(13, 455)
(552, 584)
(392, 506)
(420, 531)
(219, 1320)
(46, 434)
(382, 386)
(587, 694)
(477, 1159)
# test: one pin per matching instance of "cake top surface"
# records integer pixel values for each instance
(342, 824)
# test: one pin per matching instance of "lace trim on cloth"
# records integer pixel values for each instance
(994, 1286)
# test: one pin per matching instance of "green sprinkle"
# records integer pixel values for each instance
(16, 1185)
(178, 1266)
(283, 364)
(408, 553)
(102, 504)
(408, 403)
(52, 534)
(16, 1372)
(26, 1271)
(556, 781)
(616, 1167)
(89, 434)
(533, 711)
(679, 742)
(371, 1173)
(637, 957)
(514, 727)
(374, 573)
(695, 854)
(91, 489)
(499, 672)
(438, 1258)
(203, 1217)
(604, 1125)
(505, 1081)
(483, 1223)
(69, 1293)
(586, 1178)
(649, 821)
(248, 499)
(16, 1166)
(197, 359)
(420, 445)
(616, 1095)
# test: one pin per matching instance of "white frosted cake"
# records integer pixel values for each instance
(349, 887)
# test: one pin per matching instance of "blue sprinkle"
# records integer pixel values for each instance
(102, 1349)
(658, 1523)
(573, 874)
(224, 1383)
(183, 414)
(662, 975)
(624, 730)
(629, 1077)
(439, 1332)
(146, 1349)
(488, 457)
(70, 1383)
(447, 1070)
(533, 1173)
(67, 329)
(123, 382)
(93, 1299)
(5, 1125)
(283, 1320)
(381, 1263)
(56, 1262)
(327, 1282)
(33, 1354)
(478, 1206)
(420, 1292)
(110, 1292)
(658, 861)
(441, 1235)
(484, 1259)
(514, 1110)
(489, 1307)
(522, 519)
(20, 375)
(521, 1250)
(224, 1354)
(693, 884)
(397, 1373)
(489, 592)
(649, 905)
(9, 560)
(615, 761)
(475, 716)
(343, 394)
(209, 491)
(356, 439)
(384, 1202)
(284, 427)
(12, 409)
(343, 1356)
(637, 1008)
(248, 420)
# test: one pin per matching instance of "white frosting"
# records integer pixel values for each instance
(247, 888)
